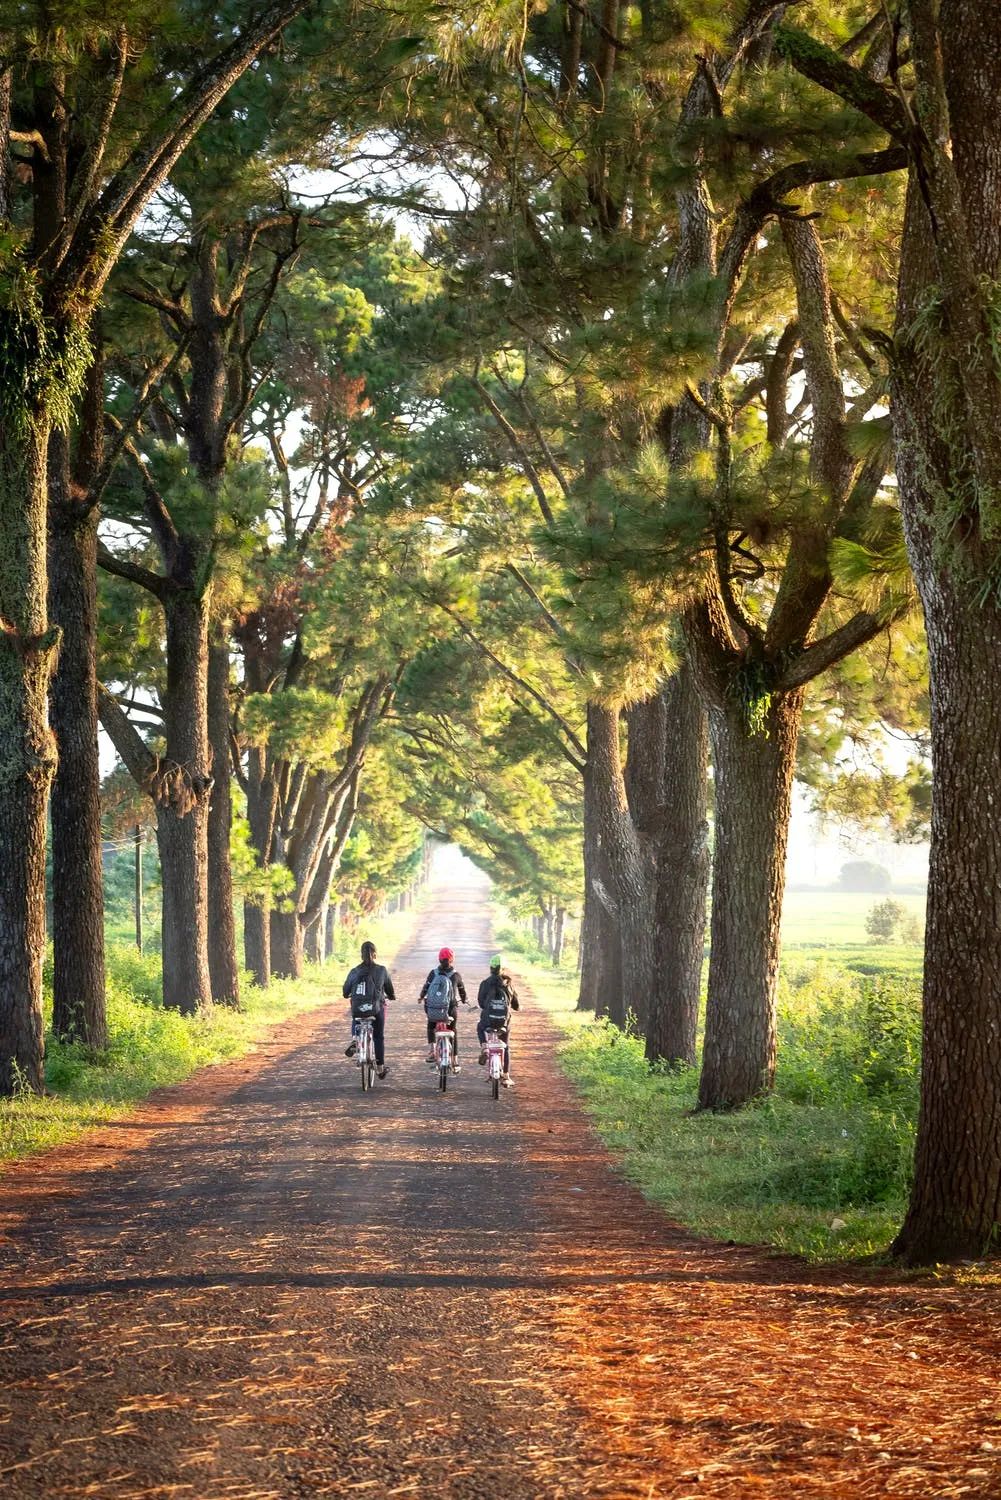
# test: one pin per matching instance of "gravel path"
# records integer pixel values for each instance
(263, 1285)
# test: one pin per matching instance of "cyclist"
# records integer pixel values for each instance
(497, 998)
(457, 992)
(372, 979)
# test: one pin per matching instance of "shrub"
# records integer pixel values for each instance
(884, 920)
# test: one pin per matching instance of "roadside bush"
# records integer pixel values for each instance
(821, 1166)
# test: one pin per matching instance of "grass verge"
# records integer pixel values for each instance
(150, 1046)
(819, 1169)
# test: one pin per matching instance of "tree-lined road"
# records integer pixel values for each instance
(264, 1285)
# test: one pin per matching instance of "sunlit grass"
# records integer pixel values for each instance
(820, 1168)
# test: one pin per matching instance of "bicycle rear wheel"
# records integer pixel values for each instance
(495, 1087)
(443, 1079)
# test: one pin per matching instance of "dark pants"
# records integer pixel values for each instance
(378, 1036)
(452, 1018)
(483, 1026)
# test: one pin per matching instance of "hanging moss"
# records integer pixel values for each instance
(751, 690)
(42, 365)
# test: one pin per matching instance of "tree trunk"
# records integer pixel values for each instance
(559, 925)
(628, 867)
(223, 968)
(27, 748)
(330, 931)
(601, 945)
(753, 783)
(287, 945)
(78, 978)
(261, 805)
(682, 876)
(943, 464)
(182, 793)
(955, 1206)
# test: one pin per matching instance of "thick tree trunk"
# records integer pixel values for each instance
(78, 978)
(27, 749)
(224, 970)
(753, 783)
(945, 463)
(287, 945)
(682, 876)
(955, 1207)
(628, 866)
(182, 794)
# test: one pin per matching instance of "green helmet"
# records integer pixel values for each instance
(495, 962)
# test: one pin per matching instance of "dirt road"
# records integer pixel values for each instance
(265, 1286)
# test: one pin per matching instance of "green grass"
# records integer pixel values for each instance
(834, 919)
(833, 1143)
(150, 1046)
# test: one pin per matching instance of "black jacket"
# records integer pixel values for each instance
(383, 984)
(486, 990)
(453, 974)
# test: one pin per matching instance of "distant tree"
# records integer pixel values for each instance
(884, 920)
(863, 875)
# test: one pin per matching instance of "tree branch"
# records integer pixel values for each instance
(525, 687)
(520, 451)
(830, 649)
(154, 583)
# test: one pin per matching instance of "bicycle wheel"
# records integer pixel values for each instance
(495, 1087)
(366, 1077)
(443, 1079)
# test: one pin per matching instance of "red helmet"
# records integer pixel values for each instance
(445, 956)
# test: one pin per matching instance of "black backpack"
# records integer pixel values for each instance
(497, 1003)
(364, 995)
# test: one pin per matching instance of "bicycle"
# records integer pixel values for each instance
(365, 1055)
(494, 1045)
(444, 1041)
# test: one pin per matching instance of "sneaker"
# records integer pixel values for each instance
(430, 1054)
(456, 1067)
(507, 1081)
(381, 1072)
(482, 1059)
(350, 1051)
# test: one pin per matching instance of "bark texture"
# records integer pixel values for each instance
(682, 875)
(78, 973)
(753, 783)
(628, 866)
(182, 794)
(223, 969)
(27, 749)
(950, 484)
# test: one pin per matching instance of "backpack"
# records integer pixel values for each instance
(439, 997)
(364, 995)
(497, 1004)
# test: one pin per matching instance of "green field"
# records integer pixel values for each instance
(830, 925)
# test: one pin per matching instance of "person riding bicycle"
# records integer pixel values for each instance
(370, 983)
(456, 991)
(497, 998)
